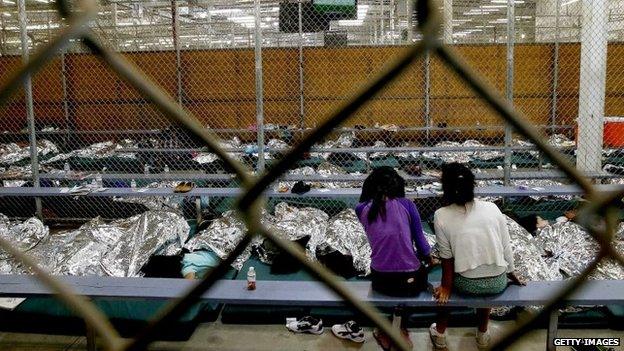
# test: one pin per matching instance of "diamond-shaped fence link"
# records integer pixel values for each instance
(270, 83)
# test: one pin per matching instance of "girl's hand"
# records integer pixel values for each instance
(515, 280)
(442, 294)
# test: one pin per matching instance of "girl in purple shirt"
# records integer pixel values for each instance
(395, 234)
(394, 231)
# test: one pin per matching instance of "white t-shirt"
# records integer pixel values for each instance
(476, 237)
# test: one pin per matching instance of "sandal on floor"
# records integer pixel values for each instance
(382, 339)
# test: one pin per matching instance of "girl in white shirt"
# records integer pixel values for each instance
(473, 243)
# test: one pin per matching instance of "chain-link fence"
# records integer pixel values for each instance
(263, 88)
(267, 77)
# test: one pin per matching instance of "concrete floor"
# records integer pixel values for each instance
(222, 337)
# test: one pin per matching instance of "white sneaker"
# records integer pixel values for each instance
(306, 324)
(483, 339)
(437, 339)
(350, 331)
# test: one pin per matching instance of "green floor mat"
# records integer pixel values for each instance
(595, 318)
(47, 315)
(615, 314)
(388, 161)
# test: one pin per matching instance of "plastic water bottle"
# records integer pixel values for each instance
(166, 169)
(146, 169)
(133, 184)
(98, 180)
(66, 167)
(251, 279)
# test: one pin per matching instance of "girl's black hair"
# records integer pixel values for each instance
(383, 182)
(458, 184)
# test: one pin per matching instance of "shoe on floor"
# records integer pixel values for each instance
(349, 331)
(483, 339)
(437, 339)
(382, 339)
(306, 324)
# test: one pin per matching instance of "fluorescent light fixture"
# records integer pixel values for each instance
(8, 2)
(569, 2)
(350, 22)
(225, 11)
(505, 2)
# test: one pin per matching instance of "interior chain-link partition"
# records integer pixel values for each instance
(265, 75)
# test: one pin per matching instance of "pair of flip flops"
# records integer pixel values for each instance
(184, 187)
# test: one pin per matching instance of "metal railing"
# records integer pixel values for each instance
(600, 206)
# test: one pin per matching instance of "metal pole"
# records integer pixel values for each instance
(176, 46)
(410, 30)
(392, 14)
(427, 93)
(301, 90)
(65, 102)
(509, 86)
(553, 116)
(114, 14)
(30, 113)
(381, 22)
(259, 88)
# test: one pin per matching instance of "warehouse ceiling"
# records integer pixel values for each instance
(148, 25)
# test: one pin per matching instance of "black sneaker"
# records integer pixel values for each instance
(350, 331)
(306, 324)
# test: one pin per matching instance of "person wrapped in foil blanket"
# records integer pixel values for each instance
(119, 248)
(309, 227)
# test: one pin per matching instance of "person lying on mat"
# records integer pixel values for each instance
(474, 246)
(196, 264)
(399, 248)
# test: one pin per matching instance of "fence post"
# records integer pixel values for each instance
(301, 87)
(176, 46)
(509, 85)
(553, 116)
(65, 98)
(592, 84)
(427, 95)
(30, 113)
(259, 88)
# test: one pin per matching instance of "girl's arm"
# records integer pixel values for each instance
(418, 237)
(443, 292)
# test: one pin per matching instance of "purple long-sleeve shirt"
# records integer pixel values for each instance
(392, 240)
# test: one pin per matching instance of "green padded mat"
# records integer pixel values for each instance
(615, 314)
(47, 315)
(388, 161)
(594, 318)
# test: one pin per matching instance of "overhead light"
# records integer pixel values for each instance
(225, 11)
(569, 2)
(506, 2)
(8, 2)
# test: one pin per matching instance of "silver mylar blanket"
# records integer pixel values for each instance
(346, 235)
(119, 248)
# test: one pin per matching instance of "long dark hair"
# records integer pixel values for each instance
(458, 184)
(381, 183)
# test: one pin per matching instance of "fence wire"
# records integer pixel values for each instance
(198, 98)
